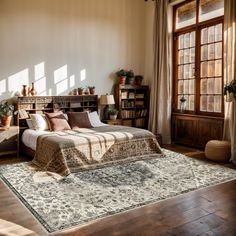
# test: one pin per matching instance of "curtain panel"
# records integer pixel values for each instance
(230, 73)
(161, 84)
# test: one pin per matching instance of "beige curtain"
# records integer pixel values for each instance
(230, 73)
(160, 103)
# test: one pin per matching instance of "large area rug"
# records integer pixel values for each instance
(93, 194)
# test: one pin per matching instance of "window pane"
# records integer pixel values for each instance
(211, 34)
(218, 32)
(191, 86)
(210, 9)
(203, 105)
(191, 71)
(210, 103)
(180, 72)
(191, 102)
(192, 39)
(218, 50)
(217, 103)
(218, 67)
(181, 41)
(204, 69)
(218, 85)
(204, 36)
(211, 51)
(186, 90)
(186, 15)
(210, 85)
(211, 68)
(181, 57)
(203, 86)
(186, 71)
(180, 87)
(186, 40)
(204, 53)
(192, 54)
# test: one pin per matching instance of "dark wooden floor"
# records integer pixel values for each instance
(209, 211)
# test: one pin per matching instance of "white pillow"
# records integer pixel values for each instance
(30, 123)
(95, 120)
(39, 122)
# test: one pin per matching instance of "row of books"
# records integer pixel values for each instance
(132, 114)
(127, 103)
(129, 95)
(140, 122)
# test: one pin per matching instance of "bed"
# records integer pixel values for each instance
(68, 151)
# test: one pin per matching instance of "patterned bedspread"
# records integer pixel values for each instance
(69, 151)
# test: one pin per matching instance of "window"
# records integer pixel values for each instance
(198, 42)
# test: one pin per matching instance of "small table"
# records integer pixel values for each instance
(113, 122)
(9, 140)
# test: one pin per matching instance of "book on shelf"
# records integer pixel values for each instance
(127, 114)
(127, 103)
(124, 95)
(139, 103)
(140, 122)
(141, 113)
(23, 114)
(131, 95)
(139, 95)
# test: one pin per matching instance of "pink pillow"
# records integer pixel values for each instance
(57, 121)
(79, 120)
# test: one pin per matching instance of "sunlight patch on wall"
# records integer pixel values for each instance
(40, 86)
(72, 81)
(49, 92)
(3, 86)
(83, 75)
(39, 71)
(62, 87)
(16, 81)
(60, 74)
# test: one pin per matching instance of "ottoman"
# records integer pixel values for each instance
(217, 150)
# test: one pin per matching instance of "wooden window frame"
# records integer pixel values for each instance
(197, 28)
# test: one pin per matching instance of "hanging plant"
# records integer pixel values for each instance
(230, 89)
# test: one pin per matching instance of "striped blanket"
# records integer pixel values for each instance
(72, 150)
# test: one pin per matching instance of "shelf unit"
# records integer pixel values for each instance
(41, 104)
(132, 102)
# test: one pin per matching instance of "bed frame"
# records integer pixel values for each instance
(40, 104)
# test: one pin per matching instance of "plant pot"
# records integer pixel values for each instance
(113, 117)
(80, 92)
(122, 80)
(92, 91)
(229, 97)
(131, 80)
(6, 121)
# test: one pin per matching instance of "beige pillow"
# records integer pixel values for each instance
(79, 120)
(39, 122)
(57, 121)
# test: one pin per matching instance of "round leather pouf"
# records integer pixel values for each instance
(217, 150)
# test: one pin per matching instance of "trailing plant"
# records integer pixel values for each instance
(121, 73)
(91, 87)
(231, 88)
(130, 74)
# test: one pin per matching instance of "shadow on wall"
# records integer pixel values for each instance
(62, 82)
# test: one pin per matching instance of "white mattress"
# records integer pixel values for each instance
(29, 137)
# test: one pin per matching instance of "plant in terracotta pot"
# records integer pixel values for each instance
(91, 89)
(130, 77)
(138, 79)
(6, 112)
(113, 113)
(121, 74)
(80, 90)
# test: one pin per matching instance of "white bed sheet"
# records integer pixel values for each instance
(29, 137)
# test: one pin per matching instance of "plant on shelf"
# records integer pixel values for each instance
(230, 91)
(91, 89)
(80, 90)
(6, 112)
(138, 79)
(130, 77)
(121, 74)
(113, 112)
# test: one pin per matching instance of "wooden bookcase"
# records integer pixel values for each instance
(41, 104)
(132, 102)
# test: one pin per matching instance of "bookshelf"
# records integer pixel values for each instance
(42, 104)
(132, 102)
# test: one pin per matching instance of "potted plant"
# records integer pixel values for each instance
(138, 79)
(230, 91)
(80, 90)
(113, 113)
(130, 77)
(6, 112)
(91, 89)
(121, 74)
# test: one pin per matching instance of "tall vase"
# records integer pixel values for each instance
(33, 91)
(24, 90)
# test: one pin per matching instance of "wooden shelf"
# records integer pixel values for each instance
(128, 110)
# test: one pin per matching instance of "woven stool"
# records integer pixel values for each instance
(217, 150)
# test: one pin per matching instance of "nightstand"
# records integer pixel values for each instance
(113, 122)
(9, 140)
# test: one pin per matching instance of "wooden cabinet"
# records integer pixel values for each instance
(194, 130)
(9, 140)
(132, 102)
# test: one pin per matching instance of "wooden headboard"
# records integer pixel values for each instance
(41, 104)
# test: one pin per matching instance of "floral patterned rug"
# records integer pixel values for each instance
(59, 203)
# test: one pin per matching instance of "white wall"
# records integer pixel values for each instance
(53, 42)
